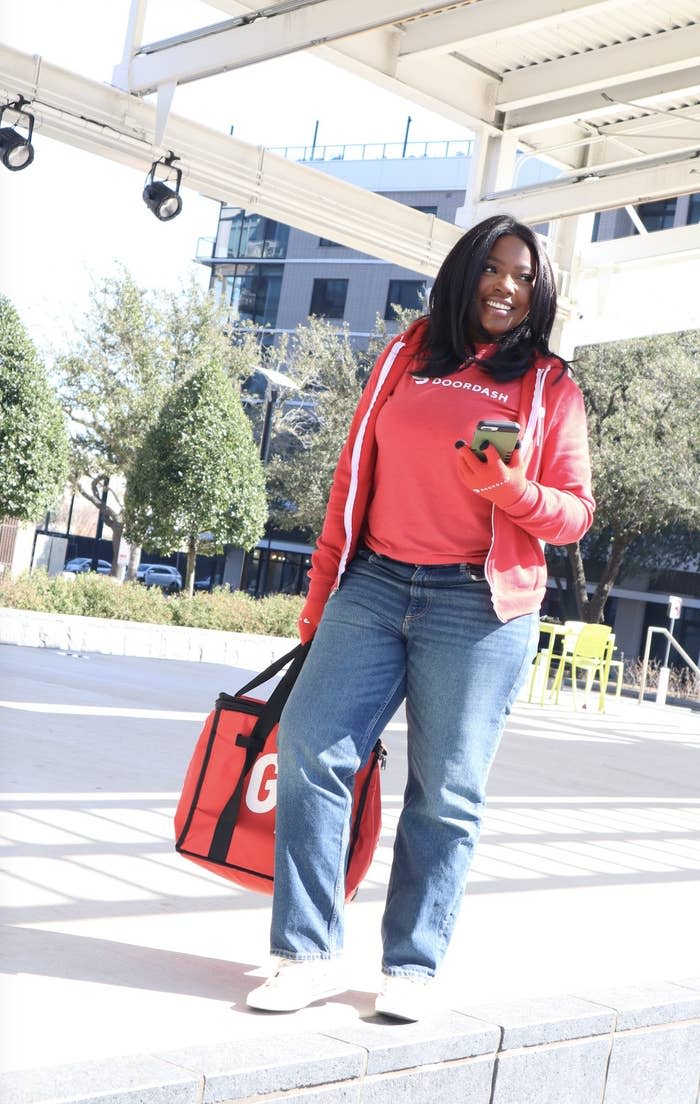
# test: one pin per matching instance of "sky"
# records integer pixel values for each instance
(71, 217)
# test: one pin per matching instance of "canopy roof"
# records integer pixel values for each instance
(608, 91)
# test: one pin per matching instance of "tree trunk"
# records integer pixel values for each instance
(134, 561)
(578, 579)
(191, 562)
(112, 517)
(117, 528)
(616, 554)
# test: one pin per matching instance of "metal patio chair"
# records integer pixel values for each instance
(590, 657)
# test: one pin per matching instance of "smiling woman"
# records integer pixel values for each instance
(505, 288)
(425, 586)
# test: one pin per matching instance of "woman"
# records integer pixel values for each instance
(425, 585)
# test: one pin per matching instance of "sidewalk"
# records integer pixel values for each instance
(585, 884)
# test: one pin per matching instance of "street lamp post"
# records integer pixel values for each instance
(275, 382)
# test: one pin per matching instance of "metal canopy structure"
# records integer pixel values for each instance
(606, 91)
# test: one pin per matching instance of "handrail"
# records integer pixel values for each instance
(377, 151)
(647, 648)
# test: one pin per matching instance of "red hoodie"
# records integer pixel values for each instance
(556, 508)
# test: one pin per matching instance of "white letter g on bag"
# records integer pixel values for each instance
(261, 794)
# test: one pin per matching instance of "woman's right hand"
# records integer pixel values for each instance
(309, 619)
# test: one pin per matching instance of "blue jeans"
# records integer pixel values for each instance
(393, 631)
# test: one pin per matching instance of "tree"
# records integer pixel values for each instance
(33, 437)
(132, 348)
(197, 472)
(643, 405)
(310, 430)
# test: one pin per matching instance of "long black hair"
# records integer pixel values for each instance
(453, 306)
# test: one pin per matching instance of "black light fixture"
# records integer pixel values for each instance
(16, 150)
(159, 197)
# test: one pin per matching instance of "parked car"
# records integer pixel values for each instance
(79, 564)
(167, 578)
(203, 584)
(142, 569)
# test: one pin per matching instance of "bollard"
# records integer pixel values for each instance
(662, 688)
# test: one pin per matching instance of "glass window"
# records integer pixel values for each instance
(409, 294)
(328, 242)
(252, 292)
(235, 225)
(612, 224)
(328, 298)
(659, 214)
(694, 209)
(243, 235)
(425, 210)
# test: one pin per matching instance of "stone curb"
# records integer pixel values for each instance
(638, 1044)
(105, 636)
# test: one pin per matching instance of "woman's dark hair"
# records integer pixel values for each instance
(453, 310)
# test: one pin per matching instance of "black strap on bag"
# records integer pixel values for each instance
(269, 717)
(272, 711)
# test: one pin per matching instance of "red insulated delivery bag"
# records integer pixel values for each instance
(225, 819)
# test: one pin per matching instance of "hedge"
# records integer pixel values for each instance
(92, 595)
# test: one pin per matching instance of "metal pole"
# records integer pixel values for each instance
(266, 436)
(665, 673)
(671, 626)
(405, 137)
(313, 143)
(100, 524)
(645, 664)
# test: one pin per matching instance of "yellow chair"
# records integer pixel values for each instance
(545, 658)
(588, 655)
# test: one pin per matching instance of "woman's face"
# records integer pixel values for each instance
(504, 292)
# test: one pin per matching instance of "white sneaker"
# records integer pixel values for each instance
(406, 998)
(294, 985)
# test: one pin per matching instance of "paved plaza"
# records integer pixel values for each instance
(587, 873)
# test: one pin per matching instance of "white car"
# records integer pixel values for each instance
(167, 578)
(80, 564)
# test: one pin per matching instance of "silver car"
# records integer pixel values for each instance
(167, 578)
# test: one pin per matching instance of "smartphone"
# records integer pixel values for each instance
(502, 435)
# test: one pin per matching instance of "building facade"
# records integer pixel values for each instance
(275, 276)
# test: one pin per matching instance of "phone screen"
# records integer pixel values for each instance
(502, 435)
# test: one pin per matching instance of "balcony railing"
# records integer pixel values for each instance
(376, 151)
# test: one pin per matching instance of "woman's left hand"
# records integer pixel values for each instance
(492, 479)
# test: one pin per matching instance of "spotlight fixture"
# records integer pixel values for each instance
(159, 197)
(16, 150)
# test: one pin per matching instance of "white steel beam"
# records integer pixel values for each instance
(662, 245)
(444, 32)
(268, 35)
(464, 96)
(106, 121)
(679, 125)
(670, 51)
(441, 84)
(596, 190)
(590, 105)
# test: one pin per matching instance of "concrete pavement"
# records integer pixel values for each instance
(586, 878)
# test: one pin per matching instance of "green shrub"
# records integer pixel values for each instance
(278, 614)
(230, 611)
(92, 595)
